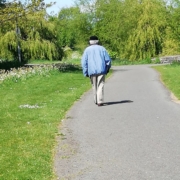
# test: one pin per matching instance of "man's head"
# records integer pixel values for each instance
(93, 40)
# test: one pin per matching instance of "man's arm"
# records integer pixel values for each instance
(107, 61)
(84, 64)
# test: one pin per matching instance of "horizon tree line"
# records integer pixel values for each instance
(129, 29)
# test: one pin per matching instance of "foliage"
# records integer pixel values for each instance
(157, 61)
(2, 3)
(171, 42)
(41, 42)
(73, 27)
(129, 29)
(112, 54)
(27, 71)
(35, 34)
(134, 29)
(7, 65)
(113, 23)
(145, 41)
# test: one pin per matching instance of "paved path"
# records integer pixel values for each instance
(135, 136)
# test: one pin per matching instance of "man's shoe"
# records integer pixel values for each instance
(100, 104)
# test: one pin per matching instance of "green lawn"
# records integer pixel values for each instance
(31, 111)
(170, 76)
(116, 62)
(68, 61)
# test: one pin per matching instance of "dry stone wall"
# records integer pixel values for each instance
(168, 59)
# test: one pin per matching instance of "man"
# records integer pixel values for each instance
(96, 64)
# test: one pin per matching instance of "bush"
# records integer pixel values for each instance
(7, 65)
(157, 61)
(113, 54)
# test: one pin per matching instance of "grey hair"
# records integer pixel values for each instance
(93, 42)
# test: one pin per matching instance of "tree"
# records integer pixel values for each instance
(73, 27)
(147, 38)
(34, 32)
(114, 22)
(2, 3)
(171, 44)
(134, 29)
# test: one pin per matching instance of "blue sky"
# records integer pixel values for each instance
(59, 4)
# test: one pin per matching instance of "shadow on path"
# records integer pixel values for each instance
(117, 102)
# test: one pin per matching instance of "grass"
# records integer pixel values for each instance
(31, 111)
(43, 62)
(68, 61)
(119, 62)
(170, 76)
(115, 62)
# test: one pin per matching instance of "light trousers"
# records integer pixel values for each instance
(97, 82)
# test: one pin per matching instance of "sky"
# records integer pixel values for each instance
(55, 8)
(59, 4)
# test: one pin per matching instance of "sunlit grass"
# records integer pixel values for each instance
(43, 62)
(68, 61)
(115, 62)
(31, 111)
(170, 76)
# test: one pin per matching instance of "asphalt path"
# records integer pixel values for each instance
(134, 136)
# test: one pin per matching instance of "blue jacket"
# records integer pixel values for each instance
(95, 60)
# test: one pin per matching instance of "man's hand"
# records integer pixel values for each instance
(107, 69)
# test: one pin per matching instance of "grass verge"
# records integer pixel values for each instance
(31, 111)
(170, 76)
(68, 61)
(115, 62)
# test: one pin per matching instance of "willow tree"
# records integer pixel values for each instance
(26, 26)
(39, 39)
(134, 29)
(147, 37)
(114, 22)
(2, 2)
(171, 44)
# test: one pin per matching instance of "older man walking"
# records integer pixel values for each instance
(96, 64)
